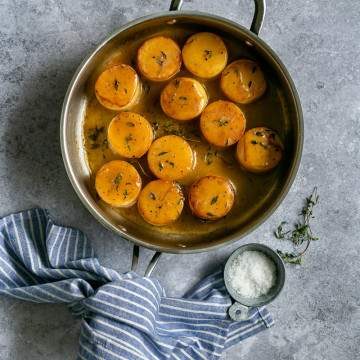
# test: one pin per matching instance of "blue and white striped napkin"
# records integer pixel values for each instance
(125, 316)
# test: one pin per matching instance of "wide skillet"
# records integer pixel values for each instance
(285, 116)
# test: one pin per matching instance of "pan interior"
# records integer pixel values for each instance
(257, 195)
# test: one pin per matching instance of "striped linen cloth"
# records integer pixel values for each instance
(125, 316)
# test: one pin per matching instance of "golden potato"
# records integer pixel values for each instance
(183, 98)
(170, 157)
(130, 135)
(118, 183)
(243, 81)
(118, 87)
(159, 58)
(222, 123)
(259, 150)
(211, 197)
(205, 55)
(161, 202)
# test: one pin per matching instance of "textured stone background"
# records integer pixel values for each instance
(318, 315)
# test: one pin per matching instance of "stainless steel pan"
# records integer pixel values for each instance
(75, 103)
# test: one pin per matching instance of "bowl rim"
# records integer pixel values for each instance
(229, 238)
(280, 268)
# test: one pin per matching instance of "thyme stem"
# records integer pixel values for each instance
(301, 233)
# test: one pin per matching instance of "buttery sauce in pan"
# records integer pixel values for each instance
(252, 190)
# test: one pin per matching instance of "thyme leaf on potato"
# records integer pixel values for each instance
(128, 138)
(125, 193)
(161, 58)
(214, 200)
(222, 121)
(207, 54)
(117, 181)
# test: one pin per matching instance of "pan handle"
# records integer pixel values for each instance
(258, 19)
(153, 262)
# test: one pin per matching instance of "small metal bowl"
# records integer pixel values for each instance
(240, 308)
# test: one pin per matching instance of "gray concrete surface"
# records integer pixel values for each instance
(318, 314)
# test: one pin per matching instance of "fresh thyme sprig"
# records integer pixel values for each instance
(301, 233)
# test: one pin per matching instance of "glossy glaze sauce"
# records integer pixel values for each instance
(252, 190)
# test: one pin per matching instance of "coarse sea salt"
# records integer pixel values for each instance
(252, 274)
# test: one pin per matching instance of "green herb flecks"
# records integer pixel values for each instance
(117, 181)
(214, 200)
(146, 87)
(290, 258)
(167, 124)
(125, 193)
(161, 58)
(212, 154)
(161, 166)
(105, 144)
(162, 153)
(170, 127)
(222, 122)
(155, 125)
(152, 196)
(209, 156)
(116, 84)
(128, 138)
(94, 133)
(130, 124)
(301, 233)
(207, 54)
